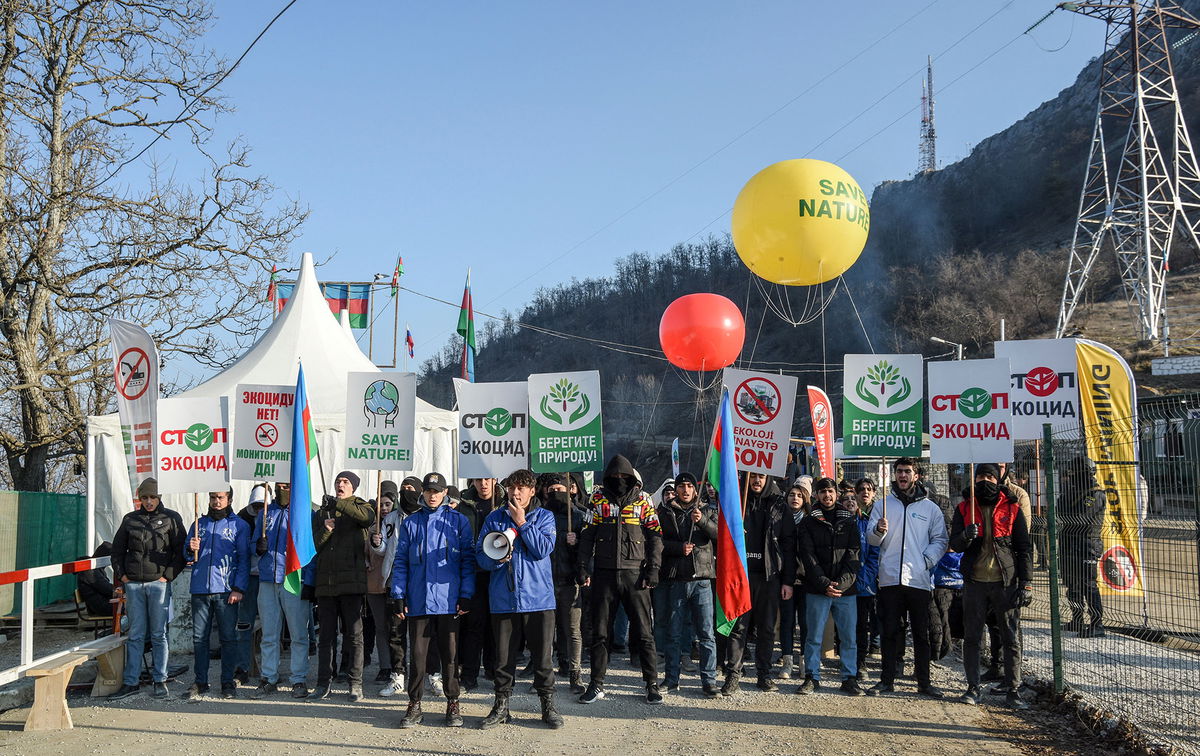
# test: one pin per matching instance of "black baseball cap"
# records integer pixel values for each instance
(434, 482)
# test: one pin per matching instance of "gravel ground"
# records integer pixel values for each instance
(748, 723)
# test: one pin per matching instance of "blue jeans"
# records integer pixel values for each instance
(845, 616)
(206, 607)
(275, 605)
(148, 606)
(694, 599)
(247, 613)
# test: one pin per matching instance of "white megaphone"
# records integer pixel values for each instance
(498, 546)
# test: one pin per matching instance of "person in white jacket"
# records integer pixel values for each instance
(910, 531)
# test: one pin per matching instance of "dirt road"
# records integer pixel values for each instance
(749, 723)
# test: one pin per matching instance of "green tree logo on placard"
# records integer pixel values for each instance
(975, 403)
(498, 422)
(878, 386)
(565, 403)
(198, 437)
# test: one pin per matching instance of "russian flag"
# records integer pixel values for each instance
(300, 548)
(733, 581)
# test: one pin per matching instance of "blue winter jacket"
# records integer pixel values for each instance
(434, 568)
(224, 561)
(947, 573)
(524, 583)
(868, 572)
(272, 566)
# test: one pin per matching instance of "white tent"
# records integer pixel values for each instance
(304, 331)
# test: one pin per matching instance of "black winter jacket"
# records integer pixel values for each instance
(149, 546)
(342, 553)
(564, 556)
(623, 532)
(829, 547)
(778, 532)
(678, 529)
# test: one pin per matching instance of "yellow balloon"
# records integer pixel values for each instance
(800, 222)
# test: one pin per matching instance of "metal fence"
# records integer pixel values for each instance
(1117, 614)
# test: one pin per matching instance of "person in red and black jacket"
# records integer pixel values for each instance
(993, 536)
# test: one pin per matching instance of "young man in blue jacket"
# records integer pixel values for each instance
(219, 554)
(433, 580)
(275, 603)
(521, 596)
(868, 574)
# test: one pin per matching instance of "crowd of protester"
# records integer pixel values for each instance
(535, 576)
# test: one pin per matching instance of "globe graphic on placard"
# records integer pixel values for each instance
(381, 400)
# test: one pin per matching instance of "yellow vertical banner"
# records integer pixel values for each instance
(1108, 413)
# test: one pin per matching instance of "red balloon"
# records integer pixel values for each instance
(702, 332)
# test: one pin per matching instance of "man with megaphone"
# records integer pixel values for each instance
(515, 543)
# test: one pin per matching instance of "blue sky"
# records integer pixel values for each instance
(542, 140)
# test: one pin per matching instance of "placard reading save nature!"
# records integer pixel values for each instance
(565, 425)
(381, 411)
(970, 419)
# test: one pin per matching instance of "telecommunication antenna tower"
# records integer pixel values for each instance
(927, 152)
(1138, 198)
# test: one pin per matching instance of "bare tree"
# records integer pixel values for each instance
(83, 86)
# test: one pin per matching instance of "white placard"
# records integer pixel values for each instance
(763, 405)
(262, 432)
(970, 419)
(193, 445)
(1044, 387)
(381, 410)
(493, 428)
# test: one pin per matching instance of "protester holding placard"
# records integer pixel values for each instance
(381, 551)
(433, 580)
(569, 519)
(340, 583)
(219, 555)
(867, 630)
(248, 606)
(521, 596)
(147, 555)
(771, 565)
(276, 604)
(993, 535)
(910, 531)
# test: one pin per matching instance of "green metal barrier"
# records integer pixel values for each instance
(38, 529)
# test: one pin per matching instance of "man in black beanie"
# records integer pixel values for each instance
(340, 535)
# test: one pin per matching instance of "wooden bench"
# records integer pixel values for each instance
(50, 710)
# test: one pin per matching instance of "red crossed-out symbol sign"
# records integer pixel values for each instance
(133, 370)
(266, 434)
(757, 400)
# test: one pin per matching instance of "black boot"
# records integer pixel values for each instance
(577, 686)
(1076, 623)
(550, 714)
(413, 716)
(499, 714)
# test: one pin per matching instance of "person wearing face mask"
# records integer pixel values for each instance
(433, 580)
(476, 645)
(390, 642)
(521, 596)
(791, 611)
(993, 536)
(569, 519)
(147, 555)
(219, 554)
(620, 553)
(248, 606)
(410, 495)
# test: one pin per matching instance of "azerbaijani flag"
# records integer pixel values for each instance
(399, 271)
(733, 582)
(271, 286)
(300, 548)
(354, 297)
(466, 329)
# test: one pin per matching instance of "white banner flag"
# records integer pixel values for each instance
(493, 428)
(193, 445)
(135, 371)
